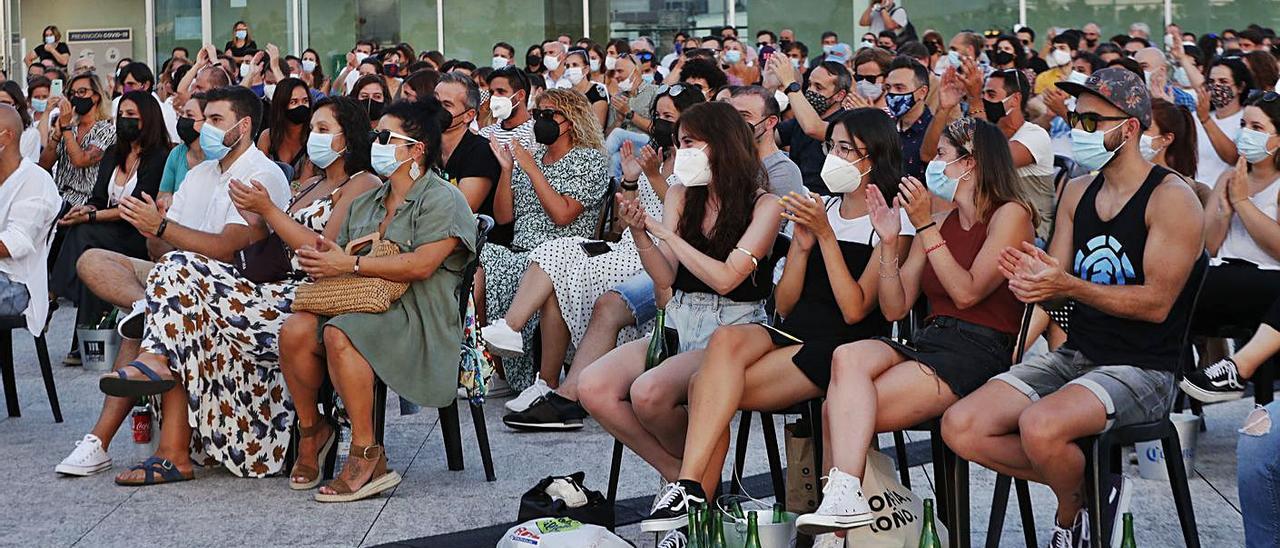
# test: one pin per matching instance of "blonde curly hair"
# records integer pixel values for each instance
(574, 106)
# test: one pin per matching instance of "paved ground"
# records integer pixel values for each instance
(39, 509)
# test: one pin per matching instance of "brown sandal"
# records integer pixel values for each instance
(381, 480)
(312, 473)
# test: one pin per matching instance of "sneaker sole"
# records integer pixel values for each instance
(131, 327)
(542, 426)
(1206, 396)
(503, 352)
(668, 524)
(831, 524)
(81, 471)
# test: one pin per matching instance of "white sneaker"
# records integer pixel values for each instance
(87, 459)
(828, 540)
(521, 403)
(843, 507)
(132, 324)
(500, 339)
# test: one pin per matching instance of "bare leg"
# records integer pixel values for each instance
(353, 378)
(111, 276)
(534, 292)
(605, 389)
(555, 342)
(983, 428)
(115, 410)
(175, 435)
(302, 362)
(658, 398)
(609, 316)
(1264, 344)
(1049, 429)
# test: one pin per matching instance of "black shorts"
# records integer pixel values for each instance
(964, 355)
(814, 357)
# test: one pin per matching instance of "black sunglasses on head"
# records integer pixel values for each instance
(1088, 121)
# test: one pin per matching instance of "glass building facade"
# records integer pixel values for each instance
(467, 29)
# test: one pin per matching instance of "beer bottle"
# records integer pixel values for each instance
(657, 351)
(716, 537)
(753, 531)
(928, 532)
(697, 536)
(779, 514)
(1127, 541)
(736, 508)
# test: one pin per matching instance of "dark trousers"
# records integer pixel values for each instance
(65, 282)
(1237, 295)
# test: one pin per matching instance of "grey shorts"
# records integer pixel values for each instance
(695, 316)
(1131, 395)
(637, 293)
(14, 297)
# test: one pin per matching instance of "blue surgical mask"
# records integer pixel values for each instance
(733, 56)
(383, 159)
(935, 178)
(1180, 77)
(39, 105)
(320, 149)
(1090, 150)
(647, 78)
(1252, 144)
(50, 39)
(242, 34)
(211, 138)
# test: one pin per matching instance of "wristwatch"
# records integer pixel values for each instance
(65, 128)
(629, 115)
(793, 88)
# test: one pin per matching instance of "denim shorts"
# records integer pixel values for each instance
(1131, 395)
(14, 297)
(695, 316)
(637, 293)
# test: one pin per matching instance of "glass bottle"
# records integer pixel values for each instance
(715, 538)
(697, 536)
(657, 351)
(753, 531)
(1127, 541)
(929, 532)
(779, 514)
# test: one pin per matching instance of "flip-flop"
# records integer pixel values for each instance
(121, 385)
(153, 465)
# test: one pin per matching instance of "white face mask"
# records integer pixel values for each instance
(782, 99)
(624, 85)
(574, 75)
(1059, 58)
(551, 63)
(841, 175)
(595, 65)
(1077, 77)
(1145, 147)
(269, 90)
(869, 90)
(500, 107)
(693, 167)
(610, 62)
(308, 66)
(361, 56)
(498, 63)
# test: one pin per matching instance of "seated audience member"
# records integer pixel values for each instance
(1243, 236)
(827, 295)
(630, 107)
(552, 192)
(202, 219)
(510, 97)
(11, 94)
(1170, 142)
(137, 76)
(576, 69)
(83, 132)
(1256, 478)
(602, 299)
(133, 166)
(1004, 99)
(245, 349)
(907, 87)
(187, 154)
(1219, 109)
(717, 226)
(429, 220)
(288, 124)
(421, 83)
(828, 84)
(29, 203)
(1128, 276)
(884, 385)
(371, 91)
(469, 161)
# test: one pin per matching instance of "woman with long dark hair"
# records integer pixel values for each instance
(371, 91)
(533, 60)
(288, 125)
(313, 70)
(241, 46)
(883, 385)
(718, 227)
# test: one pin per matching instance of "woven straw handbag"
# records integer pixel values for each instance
(351, 293)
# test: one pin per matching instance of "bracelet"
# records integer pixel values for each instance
(893, 262)
(630, 186)
(920, 229)
(93, 215)
(889, 277)
(754, 261)
(356, 270)
(935, 247)
(652, 244)
(164, 223)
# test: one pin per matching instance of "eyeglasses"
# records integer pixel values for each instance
(866, 77)
(1088, 121)
(674, 90)
(82, 92)
(384, 136)
(843, 150)
(548, 113)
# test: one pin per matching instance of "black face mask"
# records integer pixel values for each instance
(82, 105)
(546, 131)
(128, 129)
(995, 110)
(374, 108)
(1092, 42)
(533, 60)
(187, 130)
(391, 69)
(663, 132)
(298, 115)
(1001, 57)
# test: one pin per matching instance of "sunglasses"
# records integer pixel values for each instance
(1088, 121)
(866, 77)
(384, 136)
(548, 113)
(674, 90)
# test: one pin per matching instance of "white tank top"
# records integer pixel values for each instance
(1239, 244)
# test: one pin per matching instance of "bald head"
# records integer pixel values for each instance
(10, 131)
(1151, 59)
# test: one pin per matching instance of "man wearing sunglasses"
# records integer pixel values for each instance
(1125, 245)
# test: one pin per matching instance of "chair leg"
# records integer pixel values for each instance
(452, 436)
(1095, 470)
(999, 504)
(941, 478)
(959, 486)
(482, 439)
(900, 447)
(6, 371)
(1028, 516)
(1181, 491)
(740, 453)
(815, 425)
(379, 410)
(615, 470)
(46, 370)
(775, 459)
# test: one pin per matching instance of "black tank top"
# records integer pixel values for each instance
(816, 316)
(757, 287)
(1111, 253)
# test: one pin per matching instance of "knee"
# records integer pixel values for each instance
(592, 388)
(611, 311)
(298, 334)
(650, 399)
(847, 362)
(1039, 430)
(335, 341)
(726, 342)
(92, 260)
(959, 425)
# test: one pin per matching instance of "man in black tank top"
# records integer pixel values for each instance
(1124, 248)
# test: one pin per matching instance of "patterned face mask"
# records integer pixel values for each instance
(1220, 95)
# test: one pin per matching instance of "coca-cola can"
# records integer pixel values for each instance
(142, 424)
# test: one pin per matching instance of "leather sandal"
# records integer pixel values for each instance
(381, 480)
(312, 473)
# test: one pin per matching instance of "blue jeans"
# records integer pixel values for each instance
(613, 144)
(1258, 477)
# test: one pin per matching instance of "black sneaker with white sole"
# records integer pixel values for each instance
(671, 510)
(551, 412)
(131, 325)
(674, 539)
(1218, 382)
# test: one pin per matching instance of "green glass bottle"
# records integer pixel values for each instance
(657, 351)
(928, 532)
(779, 514)
(753, 531)
(1127, 541)
(716, 537)
(736, 509)
(697, 535)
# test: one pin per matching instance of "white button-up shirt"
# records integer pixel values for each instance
(203, 203)
(29, 202)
